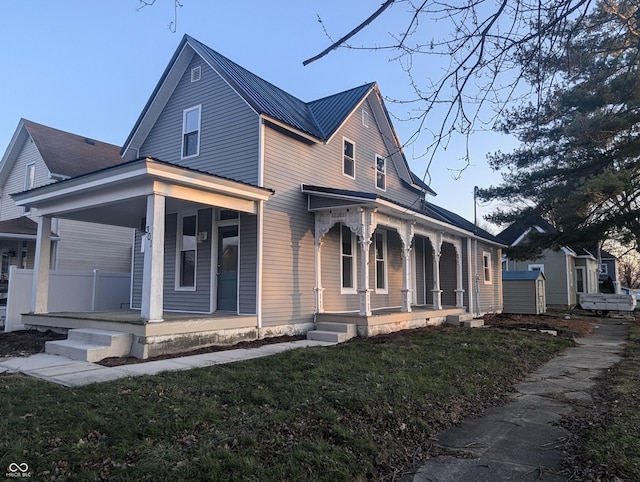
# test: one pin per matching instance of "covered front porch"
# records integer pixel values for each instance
(179, 273)
(178, 332)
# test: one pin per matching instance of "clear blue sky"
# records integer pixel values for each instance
(89, 66)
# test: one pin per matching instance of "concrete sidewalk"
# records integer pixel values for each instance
(519, 441)
(72, 373)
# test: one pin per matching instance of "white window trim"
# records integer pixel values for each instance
(385, 260)
(178, 266)
(184, 132)
(375, 167)
(365, 117)
(539, 267)
(354, 289)
(604, 269)
(486, 255)
(342, 157)
(27, 182)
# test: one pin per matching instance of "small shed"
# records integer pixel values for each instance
(524, 292)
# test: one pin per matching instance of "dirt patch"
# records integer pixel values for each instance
(566, 325)
(26, 342)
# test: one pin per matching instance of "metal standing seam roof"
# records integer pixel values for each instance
(521, 275)
(319, 118)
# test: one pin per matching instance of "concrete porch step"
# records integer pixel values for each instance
(333, 332)
(91, 345)
(464, 320)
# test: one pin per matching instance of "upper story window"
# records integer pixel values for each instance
(191, 132)
(349, 159)
(486, 268)
(29, 181)
(381, 173)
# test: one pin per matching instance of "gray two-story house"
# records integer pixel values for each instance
(259, 214)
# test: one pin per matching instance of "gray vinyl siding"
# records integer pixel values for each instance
(16, 179)
(560, 290)
(229, 129)
(248, 264)
(489, 295)
(88, 246)
(137, 271)
(198, 300)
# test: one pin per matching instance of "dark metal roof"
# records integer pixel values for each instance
(430, 210)
(21, 225)
(69, 154)
(319, 118)
(521, 275)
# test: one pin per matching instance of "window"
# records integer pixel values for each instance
(348, 264)
(365, 118)
(381, 261)
(187, 241)
(381, 173)
(348, 159)
(486, 267)
(29, 181)
(538, 267)
(603, 269)
(191, 132)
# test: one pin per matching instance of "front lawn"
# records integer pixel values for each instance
(366, 409)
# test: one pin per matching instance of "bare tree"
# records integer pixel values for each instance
(491, 53)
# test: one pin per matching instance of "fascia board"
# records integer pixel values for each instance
(10, 155)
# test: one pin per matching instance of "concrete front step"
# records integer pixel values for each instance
(464, 320)
(333, 332)
(91, 345)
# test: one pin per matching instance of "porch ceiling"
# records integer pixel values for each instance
(118, 195)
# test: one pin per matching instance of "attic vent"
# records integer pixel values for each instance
(196, 73)
(90, 141)
(365, 118)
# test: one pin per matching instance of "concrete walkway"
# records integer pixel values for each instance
(72, 373)
(519, 441)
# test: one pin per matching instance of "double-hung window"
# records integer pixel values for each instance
(486, 268)
(381, 261)
(187, 244)
(349, 158)
(29, 181)
(191, 132)
(381, 173)
(348, 260)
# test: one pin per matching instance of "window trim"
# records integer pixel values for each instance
(486, 268)
(345, 157)
(196, 73)
(185, 133)
(384, 260)
(352, 289)
(29, 181)
(377, 171)
(365, 118)
(604, 269)
(180, 250)
(538, 266)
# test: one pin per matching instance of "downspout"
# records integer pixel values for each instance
(260, 227)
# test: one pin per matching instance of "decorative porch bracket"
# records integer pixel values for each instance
(364, 230)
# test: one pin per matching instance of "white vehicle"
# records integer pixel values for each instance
(603, 303)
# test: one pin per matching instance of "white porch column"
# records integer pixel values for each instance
(407, 287)
(319, 289)
(365, 232)
(437, 292)
(153, 271)
(40, 287)
(459, 288)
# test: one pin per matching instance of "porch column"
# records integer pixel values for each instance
(319, 289)
(437, 292)
(153, 271)
(407, 291)
(459, 288)
(365, 232)
(40, 287)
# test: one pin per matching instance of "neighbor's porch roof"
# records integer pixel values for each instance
(118, 195)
